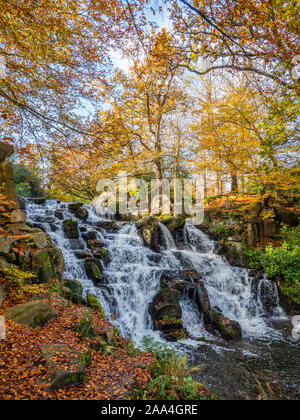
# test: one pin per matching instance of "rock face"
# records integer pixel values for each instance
(66, 365)
(31, 314)
(149, 231)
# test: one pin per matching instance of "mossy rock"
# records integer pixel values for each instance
(31, 314)
(59, 214)
(166, 305)
(93, 271)
(41, 265)
(85, 326)
(76, 289)
(66, 365)
(70, 228)
(230, 330)
(94, 304)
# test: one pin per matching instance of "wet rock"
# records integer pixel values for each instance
(166, 305)
(90, 236)
(94, 303)
(76, 244)
(18, 216)
(76, 289)
(70, 228)
(82, 255)
(95, 244)
(41, 265)
(230, 330)
(149, 230)
(31, 314)
(40, 201)
(59, 214)
(73, 207)
(106, 225)
(82, 213)
(93, 270)
(66, 365)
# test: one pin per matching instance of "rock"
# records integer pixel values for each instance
(287, 217)
(18, 228)
(95, 244)
(4, 265)
(82, 213)
(6, 150)
(84, 323)
(40, 201)
(76, 289)
(82, 255)
(59, 214)
(229, 330)
(90, 236)
(41, 265)
(94, 304)
(18, 216)
(66, 365)
(108, 334)
(2, 294)
(22, 202)
(5, 244)
(93, 270)
(149, 231)
(76, 244)
(7, 186)
(118, 225)
(73, 207)
(31, 314)
(166, 305)
(70, 228)
(39, 240)
(57, 262)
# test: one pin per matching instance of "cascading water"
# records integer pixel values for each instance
(132, 278)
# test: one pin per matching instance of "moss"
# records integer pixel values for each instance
(70, 228)
(86, 359)
(76, 290)
(93, 303)
(93, 271)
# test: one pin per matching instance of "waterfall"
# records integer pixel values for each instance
(169, 242)
(132, 277)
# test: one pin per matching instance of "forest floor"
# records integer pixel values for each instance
(23, 368)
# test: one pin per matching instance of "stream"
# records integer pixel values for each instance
(266, 360)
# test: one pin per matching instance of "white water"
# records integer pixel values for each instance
(132, 277)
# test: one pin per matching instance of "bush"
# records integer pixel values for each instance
(171, 378)
(281, 264)
(19, 281)
(27, 182)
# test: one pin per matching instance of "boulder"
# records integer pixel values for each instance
(230, 330)
(18, 216)
(94, 303)
(57, 262)
(149, 231)
(91, 235)
(39, 240)
(59, 214)
(82, 213)
(66, 365)
(31, 314)
(6, 244)
(108, 333)
(82, 255)
(73, 207)
(76, 289)
(41, 265)
(166, 305)
(93, 270)
(84, 322)
(70, 228)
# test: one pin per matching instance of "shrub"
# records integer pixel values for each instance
(19, 281)
(171, 378)
(281, 264)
